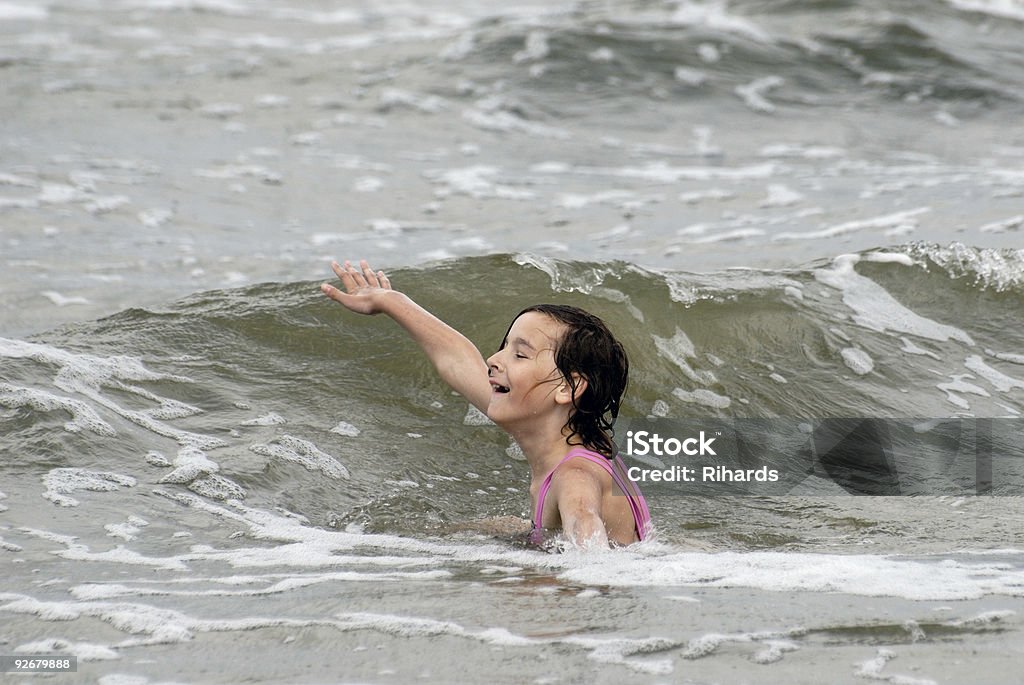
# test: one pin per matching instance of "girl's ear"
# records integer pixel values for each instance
(566, 393)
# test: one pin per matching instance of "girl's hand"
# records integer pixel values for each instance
(364, 289)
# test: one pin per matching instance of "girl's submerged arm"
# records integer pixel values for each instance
(456, 359)
(578, 494)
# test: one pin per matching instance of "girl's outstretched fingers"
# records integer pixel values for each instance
(362, 287)
(368, 275)
(343, 274)
(352, 278)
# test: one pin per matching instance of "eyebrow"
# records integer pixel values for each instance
(523, 342)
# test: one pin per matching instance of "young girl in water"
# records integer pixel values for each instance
(554, 385)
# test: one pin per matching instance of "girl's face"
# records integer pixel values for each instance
(523, 374)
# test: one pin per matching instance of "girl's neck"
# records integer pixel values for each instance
(543, 455)
(542, 440)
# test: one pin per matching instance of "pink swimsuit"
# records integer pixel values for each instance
(637, 504)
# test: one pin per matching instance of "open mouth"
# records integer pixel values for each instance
(500, 388)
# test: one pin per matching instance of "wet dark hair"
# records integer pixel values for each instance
(588, 350)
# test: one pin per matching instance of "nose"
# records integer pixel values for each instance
(493, 361)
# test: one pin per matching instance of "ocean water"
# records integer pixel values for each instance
(211, 474)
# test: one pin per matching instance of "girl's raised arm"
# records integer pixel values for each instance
(456, 359)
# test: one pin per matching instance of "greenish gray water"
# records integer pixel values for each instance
(259, 460)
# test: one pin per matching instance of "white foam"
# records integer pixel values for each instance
(82, 372)
(691, 77)
(127, 530)
(10, 11)
(959, 385)
(714, 16)
(461, 48)
(865, 575)
(888, 258)
(120, 555)
(661, 172)
(1007, 356)
(271, 419)
(617, 650)
(407, 626)
(83, 416)
(876, 309)
(63, 300)
(190, 463)
(1008, 9)
(234, 171)
(50, 536)
(105, 205)
(304, 453)
(216, 486)
(773, 651)
(475, 181)
(802, 151)
(367, 184)
(678, 349)
(159, 626)
(984, 619)
(154, 218)
(884, 78)
(1011, 224)
(646, 564)
(392, 98)
(946, 118)
(602, 649)
(703, 397)
(503, 121)
(63, 481)
(781, 196)
(753, 93)
(857, 360)
(8, 546)
(18, 203)
(141, 33)
(998, 379)
(346, 429)
(990, 268)
(272, 584)
(618, 198)
(155, 458)
(725, 236)
(897, 220)
(272, 101)
(60, 194)
(696, 196)
(872, 670)
(709, 53)
(910, 348)
(660, 408)
(17, 181)
(535, 48)
(475, 417)
(124, 679)
(83, 650)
